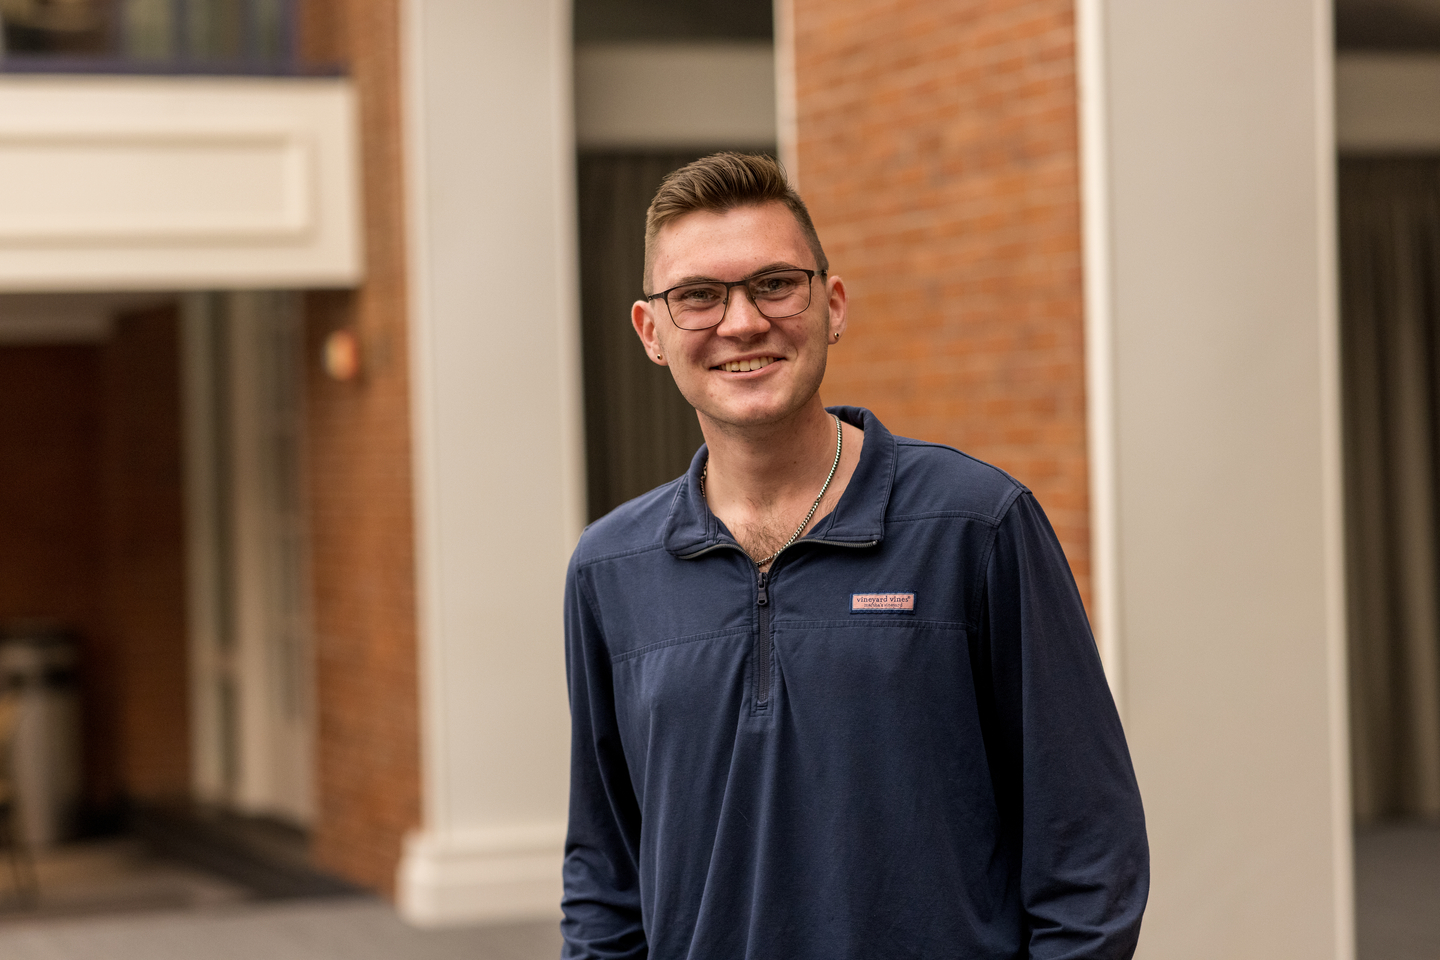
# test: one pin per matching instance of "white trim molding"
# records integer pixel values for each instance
(178, 183)
(1099, 345)
(1328, 71)
(482, 875)
(96, 187)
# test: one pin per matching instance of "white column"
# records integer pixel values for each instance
(1212, 313)
(498, 463)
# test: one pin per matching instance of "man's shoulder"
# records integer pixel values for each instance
(933, 479)
(633, 527)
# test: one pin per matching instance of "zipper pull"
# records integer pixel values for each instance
(764, 597)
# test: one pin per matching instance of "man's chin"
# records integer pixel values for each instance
(749, 416)
(754, 406)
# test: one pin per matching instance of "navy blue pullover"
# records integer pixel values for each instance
(792, 765)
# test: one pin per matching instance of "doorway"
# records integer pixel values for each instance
(251, 670)
(153, 518)
(152, 523)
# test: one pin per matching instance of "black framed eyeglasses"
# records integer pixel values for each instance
(777, 294)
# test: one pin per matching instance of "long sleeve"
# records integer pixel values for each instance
(1066, 773)
(602, 887)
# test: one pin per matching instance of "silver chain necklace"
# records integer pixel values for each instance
(705, 469)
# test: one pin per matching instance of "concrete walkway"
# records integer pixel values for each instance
(348, 928)
(1397, 886)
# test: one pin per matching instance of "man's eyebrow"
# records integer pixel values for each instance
(698, 278)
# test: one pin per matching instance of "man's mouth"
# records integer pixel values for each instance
(745, 366)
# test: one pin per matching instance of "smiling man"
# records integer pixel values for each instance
(833, 693)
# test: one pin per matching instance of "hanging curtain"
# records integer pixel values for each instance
(1390, 310)
(639, 431)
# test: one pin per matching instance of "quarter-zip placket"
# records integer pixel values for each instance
(762, 652)
(762, 607)
(764, 644)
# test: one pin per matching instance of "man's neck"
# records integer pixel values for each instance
(761, 482)
(762, 465)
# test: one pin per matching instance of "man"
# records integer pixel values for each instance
(833, 693)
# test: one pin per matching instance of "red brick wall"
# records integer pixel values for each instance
(368, 749)
(938, 153)
(49, 511)
(91, 535)
(143, 541)
(50, 538)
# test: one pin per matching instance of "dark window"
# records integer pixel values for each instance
(611, 21)
(149, 36)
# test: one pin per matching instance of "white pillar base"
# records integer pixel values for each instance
(479, 876)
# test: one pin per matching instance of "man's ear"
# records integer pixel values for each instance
(642, 318)
(836, 301)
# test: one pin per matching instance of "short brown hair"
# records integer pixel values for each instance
(721, 182)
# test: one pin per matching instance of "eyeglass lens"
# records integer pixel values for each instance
(776, 295)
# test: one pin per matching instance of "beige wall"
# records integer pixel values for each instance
(1210, 191)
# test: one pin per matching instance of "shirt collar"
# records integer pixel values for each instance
(859, 517)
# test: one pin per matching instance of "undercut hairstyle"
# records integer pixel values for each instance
(722, 182)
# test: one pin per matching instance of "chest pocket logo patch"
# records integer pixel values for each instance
(882, 603)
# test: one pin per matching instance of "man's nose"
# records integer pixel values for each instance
(742, 318)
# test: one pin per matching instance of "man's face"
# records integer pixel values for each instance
(789, 354)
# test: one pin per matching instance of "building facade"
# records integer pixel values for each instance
(1091, 241)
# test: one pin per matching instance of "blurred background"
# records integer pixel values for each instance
(315, 359)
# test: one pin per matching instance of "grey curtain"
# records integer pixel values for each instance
(639, 431)
(1390, 331)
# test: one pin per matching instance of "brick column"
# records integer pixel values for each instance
(937, 150)
(367, 750)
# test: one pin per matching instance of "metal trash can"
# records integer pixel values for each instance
(38, 665)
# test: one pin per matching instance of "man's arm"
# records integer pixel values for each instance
(1085, 860)
(602, 886)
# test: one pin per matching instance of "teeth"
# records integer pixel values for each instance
(745, 366)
